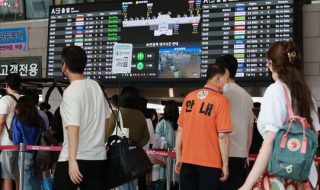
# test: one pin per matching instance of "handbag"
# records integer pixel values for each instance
(126, 160)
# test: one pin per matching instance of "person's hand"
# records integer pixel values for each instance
(74, 173)
(178, 167)
(225, 173)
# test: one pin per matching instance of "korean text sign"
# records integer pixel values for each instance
(13, 39)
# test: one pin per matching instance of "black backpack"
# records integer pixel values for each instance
(44, 160)
(56, 125)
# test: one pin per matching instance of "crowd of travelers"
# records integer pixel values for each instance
(212, 134)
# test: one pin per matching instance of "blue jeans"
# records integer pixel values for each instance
(128, 186)
(31, 181)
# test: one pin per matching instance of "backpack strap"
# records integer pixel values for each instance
(5, 123)
(7, 128)
(292, 117)
(13, 97)
(288, 103)
(117, 119)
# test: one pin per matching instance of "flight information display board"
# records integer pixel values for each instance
(245, 29)
(171, 40)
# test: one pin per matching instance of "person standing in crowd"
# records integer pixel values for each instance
(166, 129)
(45, 107)
(256, 137)
(168, 124)
(133, 121)
(147, 115)
(154, 117)
(33, 94)
(241, 105)
(26, 129)
(286, 66)
(142, 181)
(202, 141)
(84, 113)
(9, 159)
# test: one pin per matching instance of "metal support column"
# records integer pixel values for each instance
(22, 151)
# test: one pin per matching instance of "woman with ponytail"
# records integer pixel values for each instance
(286, 65)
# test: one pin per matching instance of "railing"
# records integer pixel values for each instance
(171, 156)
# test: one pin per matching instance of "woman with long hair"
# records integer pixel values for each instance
(166, 130)
(286, 65)
(168, 125)
(27, 124)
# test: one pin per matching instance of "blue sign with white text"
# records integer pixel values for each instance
(13, 39)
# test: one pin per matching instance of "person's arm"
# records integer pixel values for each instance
(73, 140)
(3, 118)
(178, 149)
(224, 151)
(261, 162)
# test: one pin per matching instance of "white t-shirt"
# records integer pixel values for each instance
(273, 114)
(7, 106)
(241, 105)
(151, 133)
(84, 105)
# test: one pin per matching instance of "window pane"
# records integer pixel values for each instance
(38, 8)
(72, 1)
(11, 10)
(63, 2)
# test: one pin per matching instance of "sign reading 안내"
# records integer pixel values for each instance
(27, 67)
(13, 39)
(122, 58)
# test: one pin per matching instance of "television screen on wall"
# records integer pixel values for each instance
(172, 42)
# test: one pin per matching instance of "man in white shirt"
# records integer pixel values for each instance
(241, 105)
(84, 113)
(9, 159)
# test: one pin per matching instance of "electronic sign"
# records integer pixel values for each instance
(171, 41)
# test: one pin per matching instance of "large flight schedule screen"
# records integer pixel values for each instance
(176, 40)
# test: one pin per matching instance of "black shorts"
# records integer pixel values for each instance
(93, 173)
(194, 177)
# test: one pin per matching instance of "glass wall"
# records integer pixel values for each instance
(37, 9)
(11, 10)
(63, 2)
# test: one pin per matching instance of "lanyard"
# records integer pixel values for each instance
(212, 90)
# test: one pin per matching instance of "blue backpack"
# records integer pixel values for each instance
(294, 148)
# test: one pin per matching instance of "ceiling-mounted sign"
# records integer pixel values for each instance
(13, 39)
(27, 67)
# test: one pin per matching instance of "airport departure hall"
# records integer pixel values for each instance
(159, 94)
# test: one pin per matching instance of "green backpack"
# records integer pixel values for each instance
(294, 148)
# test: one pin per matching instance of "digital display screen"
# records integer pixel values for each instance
(175, 40)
